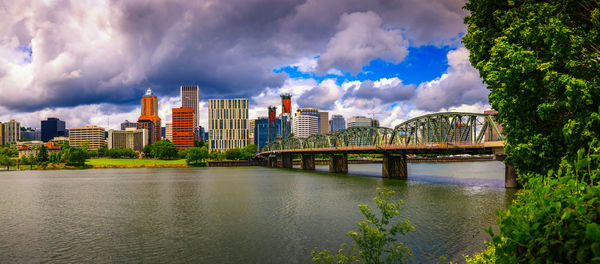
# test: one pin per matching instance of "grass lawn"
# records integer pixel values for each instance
(106, 162)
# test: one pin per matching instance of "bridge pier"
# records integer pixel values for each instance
(308, 162)
(510, 174)
(272, 161)
(394, 166)
(338, 163)
(286, 160)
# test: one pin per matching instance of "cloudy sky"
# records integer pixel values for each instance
(90, 61)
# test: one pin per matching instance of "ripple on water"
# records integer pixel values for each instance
(233, 215)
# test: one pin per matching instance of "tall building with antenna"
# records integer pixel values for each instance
(149, 117)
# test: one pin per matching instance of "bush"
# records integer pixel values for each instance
(196, 156)
(375, 238)
(556, 218)
(164, 149)
(233, 154)
(121, 153)
(77, 157)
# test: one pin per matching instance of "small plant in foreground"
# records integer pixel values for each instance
(375, 239)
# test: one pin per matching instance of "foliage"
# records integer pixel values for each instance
(9, 151)
(246, 153)
(182, 153)
(540, 61)
(375, 239)
(42, 155)
(199, 144)
(120, 153)
(77, 157)
(109, 162)
(147, 150)
(6, 161)
(196, 156)
(103, 151)
(164, 149)
(555, 219)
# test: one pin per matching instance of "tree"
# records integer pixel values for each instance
(376, 237)
(77, 157)
(42, 155)
(540, 61)
(164, 149)
(196, 156)
(147, 150)
(199, 144)
(6, 161)
(249, 151)
(233, 154)
(103, 151)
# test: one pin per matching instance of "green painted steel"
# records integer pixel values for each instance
(449, 127)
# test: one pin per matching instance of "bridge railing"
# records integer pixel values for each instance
(451, 129)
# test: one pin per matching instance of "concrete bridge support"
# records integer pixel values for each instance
(338, 163)
(272, 161)
(510, 174)
(286, 160)
(394, 166)
(308, 162)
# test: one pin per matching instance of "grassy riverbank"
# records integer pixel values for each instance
(134, 163)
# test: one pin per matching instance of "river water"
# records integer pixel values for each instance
(236, 215)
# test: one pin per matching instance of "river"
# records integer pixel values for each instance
(236, 215)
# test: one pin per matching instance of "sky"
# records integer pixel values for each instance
(88, 62)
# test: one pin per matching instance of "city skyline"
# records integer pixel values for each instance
(342, 60)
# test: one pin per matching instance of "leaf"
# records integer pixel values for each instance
(592, 232)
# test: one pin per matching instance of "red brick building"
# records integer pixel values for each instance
(183, 127)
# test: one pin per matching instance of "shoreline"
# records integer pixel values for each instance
(127, 163)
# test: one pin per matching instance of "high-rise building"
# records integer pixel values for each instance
(359, 121)
(53, 127)
(31, 134)
(305, 125)
(94, 135)
(12, 131)
(183, 127)
(190, 99)
(163, 133)
(337, 123)
(169, 131)
(261, 131)
(2, 136)
(323, 118)
(127, 124)
(203, 134)
(131, 138)
(149, 117)
(251, 131)
(227, 123)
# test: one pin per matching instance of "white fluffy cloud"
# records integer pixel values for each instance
(461, 84)
(359, 40)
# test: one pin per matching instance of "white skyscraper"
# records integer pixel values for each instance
(305, 125)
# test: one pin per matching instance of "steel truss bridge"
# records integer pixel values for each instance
(439, 133)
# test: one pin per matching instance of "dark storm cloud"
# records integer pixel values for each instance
(110, 52)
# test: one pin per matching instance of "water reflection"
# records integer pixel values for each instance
(232, 215)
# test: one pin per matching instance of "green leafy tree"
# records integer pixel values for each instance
(196, 156)
(147, 150)
(42, 155)
(233, 154)
(164, 149)
(77, 157)
(6, 161)
(199, 144)
(375, 239)
(540, 61)
(182, 153)
(103, 151)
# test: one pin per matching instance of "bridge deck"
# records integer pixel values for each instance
(454, 148)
